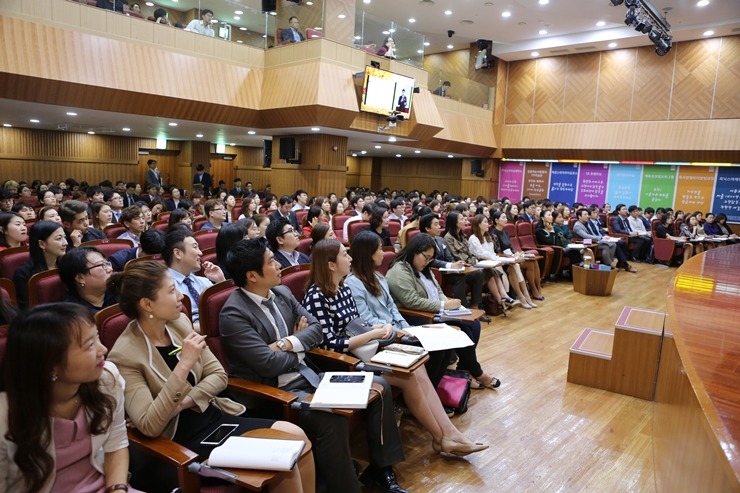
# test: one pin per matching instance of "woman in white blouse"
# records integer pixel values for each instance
(481, 245)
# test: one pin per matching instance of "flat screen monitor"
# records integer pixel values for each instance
(384, 92)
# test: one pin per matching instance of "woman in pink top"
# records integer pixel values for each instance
(62, 422)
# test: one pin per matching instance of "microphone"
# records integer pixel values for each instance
(211, 472)
(373, 368)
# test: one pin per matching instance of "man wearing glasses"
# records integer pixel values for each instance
(216, 213)
(284, 240)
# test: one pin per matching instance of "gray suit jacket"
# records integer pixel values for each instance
(246, 335)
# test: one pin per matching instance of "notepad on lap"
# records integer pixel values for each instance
(457, 313)
(396, 358)
(343, 394)
(483, 264)
(257, 453)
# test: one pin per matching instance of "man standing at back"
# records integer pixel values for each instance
(266, 333)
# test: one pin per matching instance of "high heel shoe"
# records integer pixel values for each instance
(448, 446)
(531, 304)
(495, 383)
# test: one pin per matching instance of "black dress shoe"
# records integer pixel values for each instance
(382, 477)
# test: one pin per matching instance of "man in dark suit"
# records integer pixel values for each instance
(429, 224)
(621, 225)
(77, 224)
(529, 209)
(292, 34)
(284, 240)
(265, 333)
(237, 190)
(204, 179)
(153, 176)
(442, 90)
(131, 194)
(152, 243)
(285, 204)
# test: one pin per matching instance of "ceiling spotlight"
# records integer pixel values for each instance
(543, 31)
(535, 53)
(417, 151)
(172, 124)
(391, 139)
(663, 45)
(71, 113)
(398, 155)
(8, 125)
(363, 152)
(505, 13)
(617, 3)
(544, 2)
(708, 33)
(643, 25)
(600, 24)
(450, 156)
(412, 20)
(315, 129)
(427, 43)
(200, 136)
(612, 45)
(354, 154)
(90, 132)
(238, 12)
(126, 129)
(448, 12)
(631, 17)
(702, 3)
(378, 147)
(449, 47)
(251, 132)
(33, 120)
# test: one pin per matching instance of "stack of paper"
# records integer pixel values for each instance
(342, 395)
(396, 358)
(257, 453)
(436, 337)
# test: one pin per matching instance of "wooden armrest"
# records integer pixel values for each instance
(262, 391)
(163, 448)
(416, 313)
(334, 358)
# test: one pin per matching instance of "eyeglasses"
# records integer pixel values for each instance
(427, 258)
(218, 209)
(289, 231)
(105, 265)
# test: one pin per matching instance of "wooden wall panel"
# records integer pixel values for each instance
(309, 16)
(580, 87)
(616, 79)
(727, 95)
(468, 85)
(694, 76)
(652, 87)
(422, 174)
(520, 92)
(548, 99)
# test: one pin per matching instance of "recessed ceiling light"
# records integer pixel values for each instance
(391, 30)
(427, 43)
(417, 151)
(315, 129)
(238, 12)
(378, 147)
(7, 125)
(612, 45)
(543, 31)
(420, 52)
(386, 32)
(358, 37)
(90, 132)
(273, 13)
(251, 132)
(505, 13)
(71, 113)
(448, 12)
(366, 1)
(240, 41)
(172, 124)
(354, 154)
(391, 139)
(200, 136)
(309, 3)
(175, 1)
(708, 33)
(126, 129)
(702, 3)
(149, 4)
(33, 120)
(236, 18)
(412, 20)
(242, 28)
(450, 155)
(544, 2)
(600, 24)
(535, 53)
(232, 144)
(363, 152)
(264, 35)
(449, 47)
(398, 155)
(342, 16)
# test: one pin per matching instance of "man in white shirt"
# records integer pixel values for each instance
(202, 26)
(398, 207)
(367, 212)
(182, 255)
(301, 200)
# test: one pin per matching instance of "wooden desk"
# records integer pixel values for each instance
(592, 282)
(254, 479)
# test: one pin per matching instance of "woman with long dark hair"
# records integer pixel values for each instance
(62, 424)
(332, 303)
(229, 235)
(379, 225)
(173, 381)
(413, 286)
(46, 244)
(503, 246)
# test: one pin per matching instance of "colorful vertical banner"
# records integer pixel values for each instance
(563, 182)
(510, 181)
(624, 184)
(727, 193)
(694, 188)
(592, 184)
(658, 186)
(536, 180)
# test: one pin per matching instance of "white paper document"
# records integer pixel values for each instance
(451, 269)
(484, 264)
(257, 453)
(456, 313)
(436, 337)
(339, 390)
(396, 358)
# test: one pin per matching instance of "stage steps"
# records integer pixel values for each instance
(626, 361)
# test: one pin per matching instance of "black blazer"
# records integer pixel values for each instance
(285, 263)
(291, 217)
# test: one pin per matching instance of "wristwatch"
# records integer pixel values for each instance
(281, 345)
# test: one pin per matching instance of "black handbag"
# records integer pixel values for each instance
(358, 327)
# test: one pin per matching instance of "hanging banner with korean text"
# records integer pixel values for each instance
(510, 179)
(592, 184)
(658, 186)
(694, 188)
(536, 180)
(727, 193)
(563, 182)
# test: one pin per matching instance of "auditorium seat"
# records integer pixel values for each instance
(206, 239)
(525, 235)
(198, 222)
(295, 278)
(160, 225)
(394, 226)
(300, 215)
(109, 246)
(45, 287)
(337, 224)
(354, 228)
(389, 253)
(313, 33)
(113, 231)
(7, 289)
(148, 258)
(11, 259)
(304, 245)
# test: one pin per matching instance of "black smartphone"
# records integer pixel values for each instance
(347, 378)
(219, 435)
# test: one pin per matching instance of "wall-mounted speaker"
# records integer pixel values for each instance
(267, 154)
(476, 167)
(287, 148)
